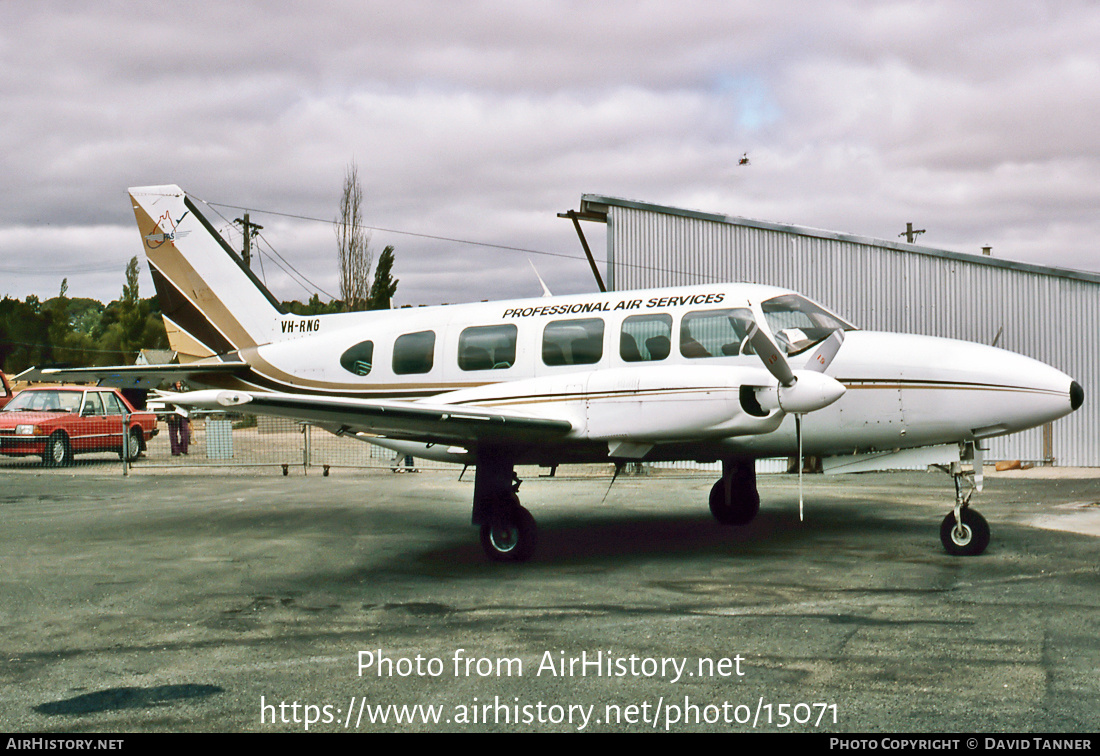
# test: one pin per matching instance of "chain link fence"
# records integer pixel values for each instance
(250, 441)
(237, 440)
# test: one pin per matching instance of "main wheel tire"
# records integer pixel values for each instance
(510, 537)
(968, 538)
(58, 451)
(741, 509)
(133, 445)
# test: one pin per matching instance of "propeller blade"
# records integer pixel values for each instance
(825, 352)
(771, 355)
(798, 432)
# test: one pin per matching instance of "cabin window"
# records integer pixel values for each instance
(645, 338)
(359, 358)
(714, 333)
(487, 347)
(573, 342)
(414, 353)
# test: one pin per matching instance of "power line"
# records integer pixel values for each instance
(408, 233)
(297, 276)
(454, 240)
(275, 252)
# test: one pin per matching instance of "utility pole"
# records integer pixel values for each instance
(249, 230)
(910, 234)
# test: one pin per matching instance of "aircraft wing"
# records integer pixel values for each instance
(404, 420)
(133, 376)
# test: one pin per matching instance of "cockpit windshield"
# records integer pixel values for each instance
(798, 324)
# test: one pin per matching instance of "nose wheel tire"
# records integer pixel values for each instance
(966, 538)
(510, 537)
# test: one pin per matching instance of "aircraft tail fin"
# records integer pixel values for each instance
(212, 302)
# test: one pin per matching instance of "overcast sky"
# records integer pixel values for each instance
(481, 121)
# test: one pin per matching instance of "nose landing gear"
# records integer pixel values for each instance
(964, 532)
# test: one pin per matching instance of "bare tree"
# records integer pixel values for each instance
(353, 244)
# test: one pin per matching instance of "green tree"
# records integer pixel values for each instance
(79, 331)
(314, 307)
(385, 285)
(23, 331)
(56, 312)
(130, 323)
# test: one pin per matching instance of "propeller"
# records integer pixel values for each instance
(799, 391)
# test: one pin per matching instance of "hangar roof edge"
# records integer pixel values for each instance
(595, 205)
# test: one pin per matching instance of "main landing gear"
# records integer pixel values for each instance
(508, 531)
(734, 499)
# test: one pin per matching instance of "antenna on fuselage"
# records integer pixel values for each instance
(618, 469)
(545, 291)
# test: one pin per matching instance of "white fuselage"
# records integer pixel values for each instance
(657, 374)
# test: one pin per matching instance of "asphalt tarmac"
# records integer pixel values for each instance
(251, 602)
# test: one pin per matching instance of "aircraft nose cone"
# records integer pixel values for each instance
(1076, 395)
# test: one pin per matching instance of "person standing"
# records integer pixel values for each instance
(179, 427)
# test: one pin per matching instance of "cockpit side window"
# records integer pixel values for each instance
(359, 358)
(414, 353)
(487, 347)
(712, 333)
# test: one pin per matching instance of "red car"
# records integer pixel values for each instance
(58, 423)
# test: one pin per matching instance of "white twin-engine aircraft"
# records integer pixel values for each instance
(721, 372)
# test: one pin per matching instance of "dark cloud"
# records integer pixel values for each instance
(482, 120)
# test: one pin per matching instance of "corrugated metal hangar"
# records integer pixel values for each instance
(1050, 314)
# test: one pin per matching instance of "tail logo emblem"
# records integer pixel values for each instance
(155, 240)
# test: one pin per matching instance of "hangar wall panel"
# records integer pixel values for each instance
(1046, 313)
